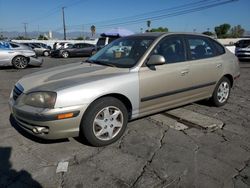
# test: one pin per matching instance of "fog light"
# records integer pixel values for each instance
(39, 130)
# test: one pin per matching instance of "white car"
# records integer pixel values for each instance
(17, 55)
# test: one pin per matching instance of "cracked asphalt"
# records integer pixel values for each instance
(150, 154)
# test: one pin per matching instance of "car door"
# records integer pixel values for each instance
(165, 85)
(79, 51)
(5, 56)
(204, 64)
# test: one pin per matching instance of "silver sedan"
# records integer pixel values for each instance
(129, 78)
(17, 55)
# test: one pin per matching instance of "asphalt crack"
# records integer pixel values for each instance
(149, 161)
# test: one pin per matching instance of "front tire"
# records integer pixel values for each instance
(105, 121)
(46, 53)
(20, 62)
(221, 92)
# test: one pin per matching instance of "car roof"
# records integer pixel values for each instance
(158, 34)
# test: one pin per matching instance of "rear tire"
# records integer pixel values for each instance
(65, 54)
(221, 92)
(104, 122)
(20, 62)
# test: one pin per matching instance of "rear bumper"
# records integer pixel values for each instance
(35, 61)
(40, 124)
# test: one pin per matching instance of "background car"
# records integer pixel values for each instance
(43, 45)
(103, 41)
(39, 49)
(61, 45)
(76, 50)
(17, 55)
(242, 49)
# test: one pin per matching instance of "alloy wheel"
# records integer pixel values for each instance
(223, 92)
(108, 123)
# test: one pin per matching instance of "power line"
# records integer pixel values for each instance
(160, 14)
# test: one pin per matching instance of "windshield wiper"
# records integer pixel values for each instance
(100, 62)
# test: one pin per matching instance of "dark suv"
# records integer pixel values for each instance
(242, 49)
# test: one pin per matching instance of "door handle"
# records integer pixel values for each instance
(219, 65)
(10, 52)
(184, 72)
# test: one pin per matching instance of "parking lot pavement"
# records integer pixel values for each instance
(165, 150)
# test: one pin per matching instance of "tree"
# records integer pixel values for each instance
(148, 24)
(93, 30)
(42, 37)
(237, 31)
(209, 33)
(22, 38)
(2, 37)
(222, 30)
(159, 29)
(79, 38)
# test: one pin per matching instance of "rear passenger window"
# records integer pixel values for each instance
(220, 49)
(14, 45)
(200, 48)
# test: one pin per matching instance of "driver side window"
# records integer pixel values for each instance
(172, 49)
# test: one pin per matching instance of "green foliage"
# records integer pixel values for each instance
(93, 30)
(2, 37)
(148, 23)
(209, 33)
(22, 38)
(159, 29)
(237, 31)
(79, 38)
(42, 37)
(222, 30)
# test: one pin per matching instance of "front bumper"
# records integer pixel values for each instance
(35, 61)
(40, 123)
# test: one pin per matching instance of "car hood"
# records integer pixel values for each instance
(69, 75)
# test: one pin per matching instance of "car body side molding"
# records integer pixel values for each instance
(176, 91)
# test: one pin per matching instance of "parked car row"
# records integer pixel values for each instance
(17, 55)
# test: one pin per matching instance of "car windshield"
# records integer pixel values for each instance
(123, 53)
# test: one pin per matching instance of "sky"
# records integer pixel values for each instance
(46, 15)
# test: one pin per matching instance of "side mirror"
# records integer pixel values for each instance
(156, 60)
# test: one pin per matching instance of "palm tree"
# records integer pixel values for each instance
(148, 24)
(93, 29)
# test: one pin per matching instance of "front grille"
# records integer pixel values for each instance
(17, 92)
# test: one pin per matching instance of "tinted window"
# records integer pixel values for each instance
(172, 49)
(219, 48)
(242, 43)
(101, 42)
(200, 48)
(4, 45)
(14, 45)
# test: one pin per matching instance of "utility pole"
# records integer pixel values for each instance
(64, 27)
(25, 29)
(83, 32)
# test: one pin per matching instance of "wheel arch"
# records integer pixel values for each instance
(125, 100)
(230, 78)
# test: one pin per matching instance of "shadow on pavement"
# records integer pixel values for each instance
(30, 136)
(11, 177)
(12, 69)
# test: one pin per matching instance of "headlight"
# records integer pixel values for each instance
(38, 99)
